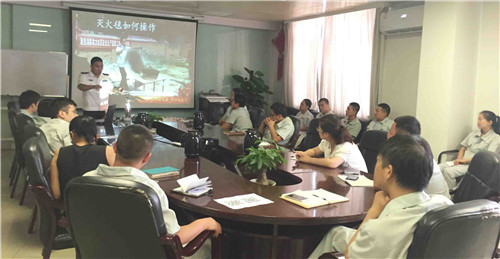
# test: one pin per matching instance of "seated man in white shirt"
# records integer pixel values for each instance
(410, 125)
(133, 150)
(381, 121)
(239, 118)
(278, 127)
(228, 110)
(28, 102)
(304, 115)
(351, 122)
(57, 129)
(403, 170)
(324, 108)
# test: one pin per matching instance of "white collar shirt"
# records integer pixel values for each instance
(304, 118)
(384, 125)
(57, 133)
(93, 99)
(136, 175)
(474, 143)
(284, 129)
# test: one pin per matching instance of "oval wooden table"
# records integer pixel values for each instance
(277, 230)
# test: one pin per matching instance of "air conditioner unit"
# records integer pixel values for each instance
(409, 19)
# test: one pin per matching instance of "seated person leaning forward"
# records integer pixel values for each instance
(336, 147)
(324, 108)
(351, 121)
(79, 158)
(239, 118)
(483, 138)
(403, 169)
(57, 129)
(278, 127)
(381, 121)
(410, 125)
(133, 150)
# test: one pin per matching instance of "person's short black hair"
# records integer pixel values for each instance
(411, 160)
(61, 104)
(308, 103)
(355, 106)
(240, 99)
(385, 107)
(27, 98)
(95, 59)
(237, 90)
(134, 143)
(324, 100)
(279, 108)
(407, 124)
(84, 126)
(332, 124)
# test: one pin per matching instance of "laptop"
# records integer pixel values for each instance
(108, 119)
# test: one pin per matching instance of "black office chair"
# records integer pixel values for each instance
(296, 131)
(45, 108)
(482, 180)
(256, 115)
(52, 232)
(14, 106)
(370, 145)
(21, 120)
(364, 124)
(312, 138)
(127, 215)
(464, 230)
(14, 131)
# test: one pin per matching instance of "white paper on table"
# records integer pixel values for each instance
(264, 144)
(243, 201)
(191, 182)
(361, 182)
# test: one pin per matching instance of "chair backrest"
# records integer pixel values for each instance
(482, 178)
(464, 230)
(370, 145)
(312, 138)
(13, 122)
(45, 108)
(37, 156)
(296, 131)
(256, 115)
(14, 106)
(30, 131)
(364, 124)
(127, 215)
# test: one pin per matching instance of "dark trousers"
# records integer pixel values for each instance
(95, 114)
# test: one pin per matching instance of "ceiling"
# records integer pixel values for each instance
(264, 11)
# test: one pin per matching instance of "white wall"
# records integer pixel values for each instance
(456, 41)
(398, 84)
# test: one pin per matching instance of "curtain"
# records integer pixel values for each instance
(331, 57)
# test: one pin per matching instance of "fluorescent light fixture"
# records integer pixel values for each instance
(31, 30)
(40, 24)
(403, 16)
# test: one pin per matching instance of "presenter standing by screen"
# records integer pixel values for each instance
(96, 87)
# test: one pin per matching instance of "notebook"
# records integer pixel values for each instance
(162, 172)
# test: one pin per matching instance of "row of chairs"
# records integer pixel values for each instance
(92, 218)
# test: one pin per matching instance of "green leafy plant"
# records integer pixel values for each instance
(152, 117)
(262, 160)
(254, 87)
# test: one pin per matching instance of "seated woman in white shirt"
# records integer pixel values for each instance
(483, 138)
(336, 147)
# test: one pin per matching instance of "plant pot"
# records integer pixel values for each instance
(262, 179)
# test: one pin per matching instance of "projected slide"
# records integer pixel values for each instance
(152, 59)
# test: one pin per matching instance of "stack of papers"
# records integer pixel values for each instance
(193, 186)
(313, 198)
(243, 201)
(361, 182)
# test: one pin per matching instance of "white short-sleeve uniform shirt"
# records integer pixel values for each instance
(347, 151)
(93, 99)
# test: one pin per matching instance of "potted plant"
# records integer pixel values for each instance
(262, 160)
(254, 87)
(152, 117)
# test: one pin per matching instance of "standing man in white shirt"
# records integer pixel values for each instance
(351, 122)
(96, 87)
(381, 121)
(410, 125)
(324, 108)
(403, 170)
(57, 129)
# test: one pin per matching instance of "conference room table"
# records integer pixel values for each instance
(276, 230)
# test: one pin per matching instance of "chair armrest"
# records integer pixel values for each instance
(446, 152)
(332, 255)
(175, 243)
(494, 197)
